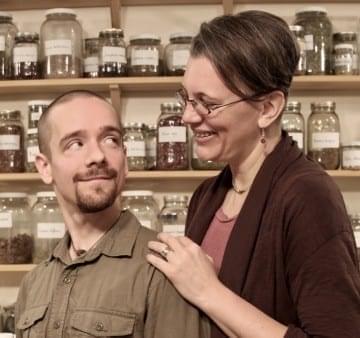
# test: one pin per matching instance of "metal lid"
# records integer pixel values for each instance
(323, 105)
(5, 15)
(133, 125)
(10, 114)
(352, 144)
(181, 35)
(46, 194)
(60, 11)
(13, 195)
(32, 131)
(145, 37)
(344, 46)
(39, 102)
(114, 32)
(176, 198)
(293, 105)
(312, 9)
(296, 28)
(27, 36)
(134, 193)
(345, 36)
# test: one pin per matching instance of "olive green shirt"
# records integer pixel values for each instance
(111, 291)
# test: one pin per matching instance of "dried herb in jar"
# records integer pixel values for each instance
(20, 249)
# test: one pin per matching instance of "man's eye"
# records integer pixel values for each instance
(74, 145)
(112, 140)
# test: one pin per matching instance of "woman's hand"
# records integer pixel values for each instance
(186, 265)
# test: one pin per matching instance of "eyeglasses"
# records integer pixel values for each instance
(204, 108)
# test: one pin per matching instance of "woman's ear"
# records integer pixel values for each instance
(44, 168)
(272, 108)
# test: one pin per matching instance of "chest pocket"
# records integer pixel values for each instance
(96, 323)
(31, 322)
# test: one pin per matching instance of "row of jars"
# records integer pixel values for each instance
(58, 52)
(23, 241)
(322, 51)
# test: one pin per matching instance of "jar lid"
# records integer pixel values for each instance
(133, 193)
(32, 131)
(296, 28)
(39, 102)
(352, 144)
(181, 35)
(344, 46)
(175, 198)
(133, 125)
(13, 195)
(326, 104)
(46, 194)
(348, 36)
(293, 105)
(116, 32)
(60, 11)
(26, 36)
(145, 37)
(10, 114)
(5, 15)
(312, 9)
(152, 127)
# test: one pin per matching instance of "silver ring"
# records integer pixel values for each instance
(165, 251)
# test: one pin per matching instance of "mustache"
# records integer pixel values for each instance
(107, 173)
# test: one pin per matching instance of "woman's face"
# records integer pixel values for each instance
(228, 133)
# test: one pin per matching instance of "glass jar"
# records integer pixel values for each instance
(91, 58)
(324, 135)
(150, 146)
(135, 146)
(177, 53)
(172, 141)
(350, 156)
(49, 225)
(16, 233)
(318, 39)
(355, 222)
(347, 38)
(26, 62)
(173, 214)
(142, 204)
(298, 32)
(343, 59)
(61, 44)
(32, 149)
(293, 122)
(11, 142)
(9, 321)
(112, 53)
(8, 31)
(145, 55)
(35, 109)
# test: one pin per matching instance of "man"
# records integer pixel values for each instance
(97, 282)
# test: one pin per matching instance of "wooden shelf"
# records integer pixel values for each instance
(16, 267)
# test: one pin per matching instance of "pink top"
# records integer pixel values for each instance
(217, 236)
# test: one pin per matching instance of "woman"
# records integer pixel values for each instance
(269, 250)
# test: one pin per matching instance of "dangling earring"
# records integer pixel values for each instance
(262, 139)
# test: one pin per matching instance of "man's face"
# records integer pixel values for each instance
(88, 163)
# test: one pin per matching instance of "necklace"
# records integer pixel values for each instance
(78, 252)
(236, 189)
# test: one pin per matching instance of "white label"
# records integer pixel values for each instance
(91, 64)
(9, 142)
(144, 57)
(172, 134)
(32, 151)
(135, 148)
(113, 54)
(35, 116)
(174, 229)
(145, 223)
(25, 54)
(180, 57)
(51, 230)
(344, 61)
(351, 158)
(309, 42)
(57, 47)
(357, 238)
(355, 61)
(2, 43)
(151, 149)
(325, 140)
(5, 220)
(298, 137)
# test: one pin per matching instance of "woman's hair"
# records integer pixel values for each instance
(255, 48)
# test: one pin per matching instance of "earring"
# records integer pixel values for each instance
(262, 139)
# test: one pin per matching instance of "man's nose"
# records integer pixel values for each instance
(95, 154)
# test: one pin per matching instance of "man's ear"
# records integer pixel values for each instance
(272, 108)
(44, 168)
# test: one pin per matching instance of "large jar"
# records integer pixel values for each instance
(112, 53)
(35, 109)
(150, 146)
(143, 205)
(16, 231)
(298, 32)
(172, 142)
(32, 149)
(8, 31)
(293, 122)
(26, 58)
(61, 44)
(177, 53)
(145, 55)
(91, 57)
(324, 135)
(135, 146)
(318, 39)
(173, 214)
(11, 142)
(49, 225)
(350, 63)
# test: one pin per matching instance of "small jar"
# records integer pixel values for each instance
(11, 142)
(26, 61)
(172, 142)
(173, 214)
(150, 146)
(9, 321)
(145, 55)
(35, 109)
(348, 38)
(32, 150)
(61, 44)
(177, 53)
(355, 222)
(8, 31)
(135, 146)
(293, 122)
(112, 53)
(142, 204)
(298, 32)
(91, 59)
(324, 135)
(15, 224)
(350, 156)
(49, 225)
(343, 59)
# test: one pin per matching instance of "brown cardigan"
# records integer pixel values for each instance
(292, 251)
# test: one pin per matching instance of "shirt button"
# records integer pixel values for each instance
(99, 326)
(67, 280)
(57, 325)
